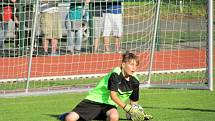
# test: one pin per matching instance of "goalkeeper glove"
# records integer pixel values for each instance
(136, 114)
(147, 116)
(132, 109)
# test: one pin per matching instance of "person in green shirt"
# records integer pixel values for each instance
(111, 92)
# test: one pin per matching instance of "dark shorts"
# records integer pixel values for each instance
(89, 110)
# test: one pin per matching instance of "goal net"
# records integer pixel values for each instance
(61, 45)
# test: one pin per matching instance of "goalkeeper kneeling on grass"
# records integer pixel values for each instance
(111, 92)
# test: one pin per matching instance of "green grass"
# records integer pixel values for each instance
(194, 8)
(169, 37)
(163, 104)
(93, 81)
(46, 84)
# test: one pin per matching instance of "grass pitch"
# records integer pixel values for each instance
(163, 104)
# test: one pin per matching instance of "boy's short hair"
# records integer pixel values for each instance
(128, 56)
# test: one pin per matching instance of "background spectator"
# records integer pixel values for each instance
(97, 13)
(51, 27)
(74, 24)
(28, 24)
(112, 24)
(6, 14)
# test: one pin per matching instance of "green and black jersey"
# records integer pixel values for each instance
(115, 81)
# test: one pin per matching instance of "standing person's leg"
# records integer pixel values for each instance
(98, 27)
(79, 37)
(54, 43)
(118, 29)
(106, 31)
(1, 38)
(95, 30)
(69, 34)
(56, 31)
(3, 31)
(45, 46)
(117, 44)
(107, 43)
(72, 42)
(96, 45)
(46, 31)
(69, 40)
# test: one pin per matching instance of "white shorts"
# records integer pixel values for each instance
(98, 26)
(112, 23)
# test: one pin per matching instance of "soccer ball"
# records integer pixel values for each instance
(128, 116)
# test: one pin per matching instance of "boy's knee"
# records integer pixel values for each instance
(72, 117)
(114, 115)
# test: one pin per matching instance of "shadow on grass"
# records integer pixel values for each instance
(190, 109)
(57, 117)
(53, 115)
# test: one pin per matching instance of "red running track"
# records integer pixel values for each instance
(66, 65)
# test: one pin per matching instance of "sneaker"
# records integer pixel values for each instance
(70, 52)
(1, 54)
(95, 51)
(119, 51)
(62, 116)
(46, 53)
(35, 53)
(107, 52)
(54, 54)
(77, 52)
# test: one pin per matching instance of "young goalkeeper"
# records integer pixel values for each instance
(111, 92)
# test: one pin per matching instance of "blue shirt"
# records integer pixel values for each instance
(75, 13)
(115, 9)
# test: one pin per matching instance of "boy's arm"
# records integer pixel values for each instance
(133, 102)
(136, 114)
(120, 103)
(115, 98)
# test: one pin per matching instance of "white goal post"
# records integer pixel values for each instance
(173, 39)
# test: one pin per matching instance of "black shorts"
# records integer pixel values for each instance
(90, 110)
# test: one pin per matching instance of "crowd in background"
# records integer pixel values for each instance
(106, 17)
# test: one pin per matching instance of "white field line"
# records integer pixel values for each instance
(50, 78)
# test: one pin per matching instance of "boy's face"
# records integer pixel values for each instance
(129, 67)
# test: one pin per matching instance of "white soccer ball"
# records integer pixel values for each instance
(128, 116)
